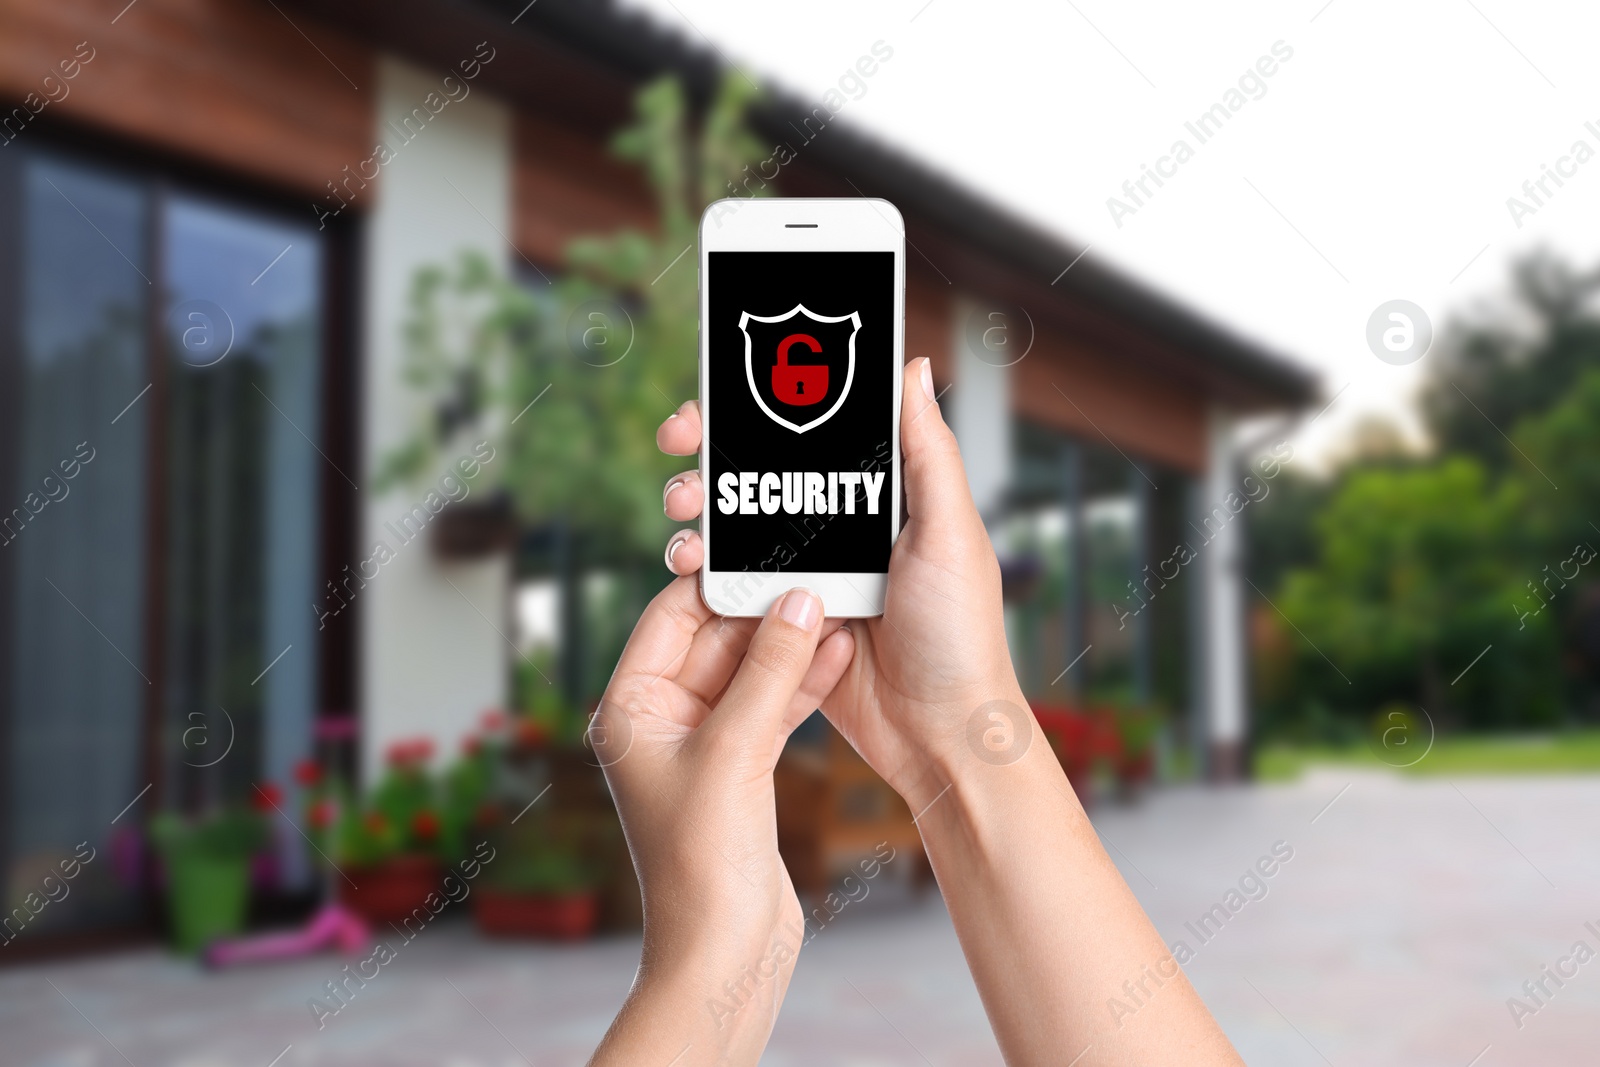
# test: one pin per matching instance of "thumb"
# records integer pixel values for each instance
(936, 481)
(775, 665)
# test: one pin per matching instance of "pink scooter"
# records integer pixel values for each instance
(333, 926)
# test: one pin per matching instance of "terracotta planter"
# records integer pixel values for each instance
(389, 891)
(560, 916)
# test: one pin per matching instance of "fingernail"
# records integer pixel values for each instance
(666, 494)
(673, 545)
(800, 607)
(927, 379)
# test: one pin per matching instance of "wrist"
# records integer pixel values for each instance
(991, 728)
(708, 1001)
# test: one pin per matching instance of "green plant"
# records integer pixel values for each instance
(1136, 728)
(229, 833)
(481, 347)
(545, 856)
(207, 861)
(400, 817)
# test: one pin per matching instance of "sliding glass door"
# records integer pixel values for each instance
(161, 407)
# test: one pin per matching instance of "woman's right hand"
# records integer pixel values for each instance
(925, 670)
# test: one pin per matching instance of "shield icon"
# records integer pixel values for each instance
(800, 364)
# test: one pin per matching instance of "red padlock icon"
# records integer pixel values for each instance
(802, 385)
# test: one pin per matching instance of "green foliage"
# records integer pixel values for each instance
(603, 354)
(1565, 752)
(1490, 375)
(1416, 573)
(228, 834)
(1414, 567)
(1563, 446)
(546, 854)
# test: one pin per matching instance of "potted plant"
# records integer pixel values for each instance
(207, 864)
(1134, 761)
(542, 885)
(389, 846)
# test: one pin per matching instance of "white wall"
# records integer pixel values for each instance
(979, 411)
(430, 660)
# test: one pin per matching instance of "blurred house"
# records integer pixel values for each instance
(210, 215)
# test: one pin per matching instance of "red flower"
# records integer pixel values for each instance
(471, 745)
(321, 815)
(493, 720)
(308, 772)
(266, 797)
(425, 825)
(531, 734)
(409, 751)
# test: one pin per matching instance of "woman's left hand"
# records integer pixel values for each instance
(689, 731)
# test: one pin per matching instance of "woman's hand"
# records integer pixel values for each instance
(688, 732)
(1050, 929)
(938, 654)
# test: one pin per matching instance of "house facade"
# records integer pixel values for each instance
(211, 212)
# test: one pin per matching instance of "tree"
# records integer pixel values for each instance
(1417, 571)
(604, 353)
(1491, 374)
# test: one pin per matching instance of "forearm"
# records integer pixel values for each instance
(1050, 930)
(708, 1009)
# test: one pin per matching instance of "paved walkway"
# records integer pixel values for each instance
(1406, 916)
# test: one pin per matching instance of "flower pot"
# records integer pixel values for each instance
(389, 891)
(561, 916)
(206, 896)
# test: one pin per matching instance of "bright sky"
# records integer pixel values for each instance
(1376, 166)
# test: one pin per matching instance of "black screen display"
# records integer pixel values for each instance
(801, 387)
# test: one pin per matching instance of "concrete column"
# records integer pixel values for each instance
(432, 654)
(1222, 611)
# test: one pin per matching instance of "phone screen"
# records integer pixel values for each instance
(801, 365)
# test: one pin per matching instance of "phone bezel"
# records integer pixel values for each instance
(800, 225)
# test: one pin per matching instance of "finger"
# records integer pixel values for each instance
(719, 650)
(683, 497)
(827, 667)
(665, 632)
(679, 435)
(936, 484)
(774, 667)
(685, 552)
(716, 654)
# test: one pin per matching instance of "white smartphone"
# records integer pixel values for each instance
(802, 338)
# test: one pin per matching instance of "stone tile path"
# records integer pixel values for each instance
(1408, 914)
